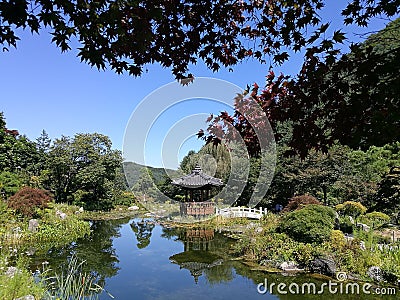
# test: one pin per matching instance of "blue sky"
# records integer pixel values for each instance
(42, 88)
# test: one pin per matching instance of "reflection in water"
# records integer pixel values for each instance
(142, 230)
(140, 259)
(96, 251)
(202, 254)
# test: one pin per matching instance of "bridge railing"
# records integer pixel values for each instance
(241, 212)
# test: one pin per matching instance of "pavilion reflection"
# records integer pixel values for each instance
(203, 255)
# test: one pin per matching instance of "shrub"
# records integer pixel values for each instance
(124, 198)
(337, 239)
(276, 247)
(22, 283)
(270, 223)
(27, 200)
(10, 183)
(298, 202)
(375, 219)
(351, 208)
(311, 224)
(304, 254)
(5, 212)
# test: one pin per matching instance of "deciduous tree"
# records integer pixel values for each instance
(85, 162)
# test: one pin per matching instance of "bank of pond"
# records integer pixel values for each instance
(141, 258)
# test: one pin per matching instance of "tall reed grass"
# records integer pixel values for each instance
(72, 284)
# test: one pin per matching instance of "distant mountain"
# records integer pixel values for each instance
(132, 173)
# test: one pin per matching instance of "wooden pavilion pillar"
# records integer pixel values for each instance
(186, 195)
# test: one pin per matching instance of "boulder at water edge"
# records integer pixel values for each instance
(33, 225)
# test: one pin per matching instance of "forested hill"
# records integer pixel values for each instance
(132, 173)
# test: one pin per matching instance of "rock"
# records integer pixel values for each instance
(258, 230)
(289, 266)
(27, 297)
(11, 271)
(33, 225)
(362, 246)
(17, 229)
(364, 227)
(133, 207)
(324, 266)
(351, 220)
(80, 209)
(348, 238)
(31, 251)
(375, 273)
(61, 214)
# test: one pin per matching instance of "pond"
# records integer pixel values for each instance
(139, 259)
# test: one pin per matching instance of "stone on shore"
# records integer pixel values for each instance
(33, 225)
(27, 297)
(325, 266)
(375, 273)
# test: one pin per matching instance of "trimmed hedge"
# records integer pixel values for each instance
(311, 224)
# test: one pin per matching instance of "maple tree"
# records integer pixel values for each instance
(299, 202)
(27, 200)
(352, 100)
(127, 35)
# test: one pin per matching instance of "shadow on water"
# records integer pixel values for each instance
(139, 259)
(96, 250)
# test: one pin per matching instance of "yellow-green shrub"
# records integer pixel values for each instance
(337, 239)
(351, 208)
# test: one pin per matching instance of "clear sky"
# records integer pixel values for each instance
(42, 88)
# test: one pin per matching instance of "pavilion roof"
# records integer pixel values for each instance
(197, 179)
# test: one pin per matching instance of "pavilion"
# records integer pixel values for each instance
(197, 186)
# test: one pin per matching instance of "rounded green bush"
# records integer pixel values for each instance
(375, 219)
(351, 208)
(311, 224)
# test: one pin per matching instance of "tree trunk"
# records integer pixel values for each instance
(325, 194)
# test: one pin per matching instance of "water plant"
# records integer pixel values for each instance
(72, 283)
(15, 279)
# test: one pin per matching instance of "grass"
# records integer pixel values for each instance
(115, 214)
(215, 222)
(71, 284)
(16, 280)
(19, 284)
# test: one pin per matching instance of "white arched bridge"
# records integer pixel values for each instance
(241, 212)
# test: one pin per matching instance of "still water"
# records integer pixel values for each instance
(138, 259)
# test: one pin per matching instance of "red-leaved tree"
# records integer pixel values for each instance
(27, 200)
